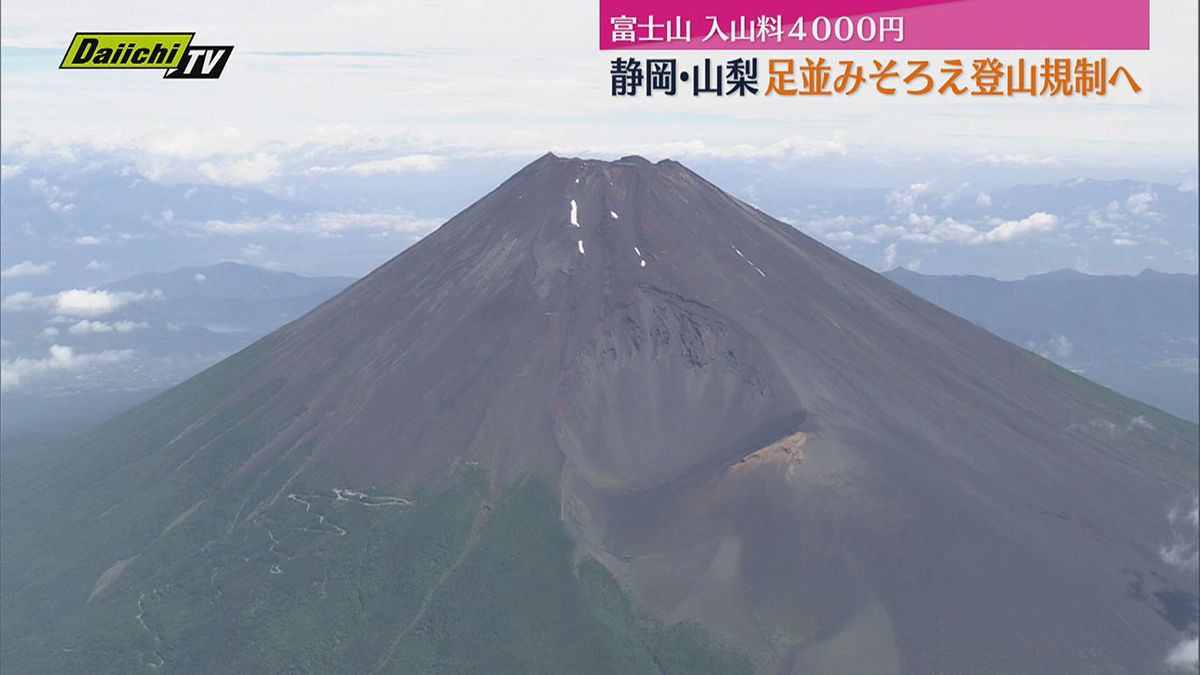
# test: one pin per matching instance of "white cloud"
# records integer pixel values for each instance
(87, 326)
(1057, 347)
(200, 278)
(87, 302)
(1140, 203)
(889, 256)
(841, 235)
(1185, 656)
(20, 301)
(326, 223)
(11, 170)
(251, 170)
(49, 331)
(903, 201)
(983, 199)
(914, 225)
(402, 223)
(407, 163)
(90, 240)
(924, 229)
(785, 149)
(77, 302)
(26, 268)
(1019, 160)
(838, 222)
(200, 144)
(254, 250)
(97, 266)
(49, 192)
(1124, 242)
(1184, 550)
(1180, 554)
(16, 372)
(873, 235)
(1012, 230)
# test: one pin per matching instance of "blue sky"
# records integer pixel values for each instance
(392, 116)
(522, 77)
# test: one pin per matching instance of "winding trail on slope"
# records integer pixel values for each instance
(153, 633)
(481, 518)
(320, 516)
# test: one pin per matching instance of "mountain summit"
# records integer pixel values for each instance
(611, 418)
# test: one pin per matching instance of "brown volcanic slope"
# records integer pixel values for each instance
(749, 430)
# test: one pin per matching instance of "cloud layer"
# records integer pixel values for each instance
(1183, 552)
(26, 268)
(16, 372)
(77, 302)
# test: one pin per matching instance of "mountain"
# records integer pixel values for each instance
(610, 419)
(232, 297)
(1136, 334)
(88, 216)
(186, 320)
(84, 218)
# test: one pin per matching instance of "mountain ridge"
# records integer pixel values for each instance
(1136, 334)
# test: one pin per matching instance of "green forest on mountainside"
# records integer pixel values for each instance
(278, 572)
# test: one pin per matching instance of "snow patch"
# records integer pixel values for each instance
(613, 214)
(574, 213)
(581, 251)
(638, 251)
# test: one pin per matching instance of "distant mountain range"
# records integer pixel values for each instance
(231, 297)
(94, 217)
(180, 323)
(1135, 334)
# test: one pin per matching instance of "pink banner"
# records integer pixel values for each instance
(874, 24)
